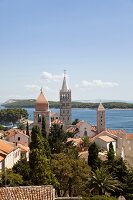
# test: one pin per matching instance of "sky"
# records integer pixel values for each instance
(91, 40)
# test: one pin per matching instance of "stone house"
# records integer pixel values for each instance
(17, 136)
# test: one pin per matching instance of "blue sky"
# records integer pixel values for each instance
(92, 40)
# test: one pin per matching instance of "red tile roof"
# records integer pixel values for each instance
(129, 136)
(71, 129)
(23, 148)
(116, 132)
(13, 132)
(5, 147)
(76, 141)
(27, 193)
(106, 138)
(57, 121)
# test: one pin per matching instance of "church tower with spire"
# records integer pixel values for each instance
(65, 102)
(100, 118)
(42, 109)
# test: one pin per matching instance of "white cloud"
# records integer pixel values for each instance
(96, 83)
(51, 77)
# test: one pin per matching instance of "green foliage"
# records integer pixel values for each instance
(75, 121)
(44, 133)
(27, 129)
(72, 174)
(36, 138)
(85, 141)
(12, 115)
(56, 139)
(99, 198)
(71, 150)
(3, 128)
(30, 103)
(22, 167)
(21, 126)
(9, 178)
(40, 172)
(93, 160)
(111, 153)
(120, 170)
(102, 183)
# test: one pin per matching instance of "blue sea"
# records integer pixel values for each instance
(115, 118)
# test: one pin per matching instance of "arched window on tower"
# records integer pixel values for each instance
(39, 118)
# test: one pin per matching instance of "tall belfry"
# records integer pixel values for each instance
(65, 102)
(42, 109)
(100, 118)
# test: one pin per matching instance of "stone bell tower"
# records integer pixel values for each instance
(65, 102)
(100, 118)
(42, 109)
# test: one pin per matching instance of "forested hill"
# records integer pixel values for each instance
(30, 103)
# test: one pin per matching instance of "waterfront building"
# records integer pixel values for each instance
(100, 118)
(65, 102)
(42, 109)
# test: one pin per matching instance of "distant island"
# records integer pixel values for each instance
(30, 103)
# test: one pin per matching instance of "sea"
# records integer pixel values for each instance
(115, 118)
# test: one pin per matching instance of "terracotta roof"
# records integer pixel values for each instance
(71, 129)
(41, 103)
(106, 138)
(76, 141)
(6, 148)
(23, 148)
(116, 132)
(57, 121)
(26, 193)
(129, 136)
(13, 132)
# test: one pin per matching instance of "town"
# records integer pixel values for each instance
(61, 142)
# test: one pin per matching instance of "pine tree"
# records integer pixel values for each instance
(27, 129)
(93, 160)
(111, 153)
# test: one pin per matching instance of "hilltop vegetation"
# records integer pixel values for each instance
(30, 103)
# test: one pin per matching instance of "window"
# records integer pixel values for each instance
(39, 118)
(18, 138)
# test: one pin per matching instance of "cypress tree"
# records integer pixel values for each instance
(57, 139)
(40, 171)
(27, 129)
(44, 133)
(111, 153)
(93, 160)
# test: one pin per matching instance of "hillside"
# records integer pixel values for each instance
(30, 103)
